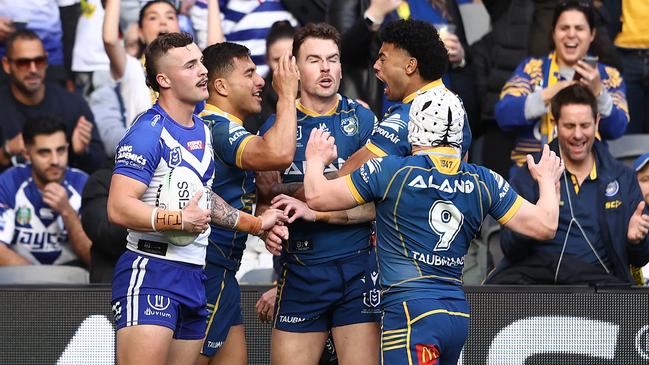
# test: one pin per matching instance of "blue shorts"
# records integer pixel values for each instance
(223, 305)
(149, 290)
(316, 298)
(424, 332)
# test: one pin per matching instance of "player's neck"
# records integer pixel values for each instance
(180, 111)
(415, 83)
(318, 104)
(28, 99)
(581, 169)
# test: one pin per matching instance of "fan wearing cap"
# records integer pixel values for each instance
(429, 205)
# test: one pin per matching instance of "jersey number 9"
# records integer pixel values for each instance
(445, 220)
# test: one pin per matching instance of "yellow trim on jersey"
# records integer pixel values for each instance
(440, 311)
(242, 145)
(395, 331)
(395, 342)
(446, 159)
(396, 224)
(402, 346)
(216, 304)
(213, 109)
(311, 113)
(407, 313)
(352, 189)
(398, 335)
(280, 291)
(375, 149)
(512, 210)
(409, 98)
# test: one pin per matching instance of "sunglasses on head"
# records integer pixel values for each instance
(576, 3)
(25, 63)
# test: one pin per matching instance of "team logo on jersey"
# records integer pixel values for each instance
(23, 216)
(299, 133)
(160, 302)
(612, 188)
(349, 126)
(427, 354)
(194, 145)
(372, 298)
(175, 157)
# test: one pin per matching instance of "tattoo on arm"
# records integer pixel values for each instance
(222, 213)
(287, 189)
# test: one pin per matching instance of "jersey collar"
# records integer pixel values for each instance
(446, 159)
(213, 109)
(428, 86)
(311, 113)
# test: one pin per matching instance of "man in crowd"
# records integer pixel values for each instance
(40, 202)
(602, 224)
(28, 96)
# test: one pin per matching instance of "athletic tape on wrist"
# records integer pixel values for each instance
(167, 220)
(248, 223)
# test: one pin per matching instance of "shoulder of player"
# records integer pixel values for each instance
(12, 178)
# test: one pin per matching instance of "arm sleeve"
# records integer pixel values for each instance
(364, 182)
(510, 109)
(613, 125)
(504, 201)
(138, 157)
(229, 140)
(267, 124)
(391, 136)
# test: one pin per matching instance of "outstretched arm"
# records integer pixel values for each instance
(112, 43)
(225, 215)
(541, 220)
(295, 209)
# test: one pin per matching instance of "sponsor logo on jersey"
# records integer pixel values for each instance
(175, 157)
(299, 133)
(46, 213)
(393, 122)
(349, 126)
(235, 131)
(23, 215)
(427, 354)
(194, 145)
(291, 319)
(462, 186)
(388, 135)
(158, 304)
(436, 260)
(126, 156)
(117, 311)
(40, 241)
(214, 344)
(323, 127)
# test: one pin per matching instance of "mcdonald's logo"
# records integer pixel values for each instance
(427, 354)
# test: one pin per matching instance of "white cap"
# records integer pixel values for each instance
(436, 117)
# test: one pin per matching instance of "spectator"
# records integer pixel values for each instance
(43, 18)
(602, 228)
(279, 40)
(524, 100)
(28, 96)
(641, 168)
(40, 202)
(248, 23)
(108, 239)
(632, 42)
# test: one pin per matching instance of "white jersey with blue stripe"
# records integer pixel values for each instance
(154, 145)
(31, 228)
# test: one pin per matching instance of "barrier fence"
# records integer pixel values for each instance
(509, 326)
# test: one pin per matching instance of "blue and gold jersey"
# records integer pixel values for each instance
(391, 135)
(231, 182)
(351, 124)
(428, 208)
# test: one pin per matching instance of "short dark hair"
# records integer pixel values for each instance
(421, 40)
(315, 30)
(218, 58)
(158, 48)
(140, 17)
(584, 6)
(279, 30)
(573, 94)
(42, 125)
(21, 34)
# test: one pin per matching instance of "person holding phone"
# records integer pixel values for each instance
(524, 102)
